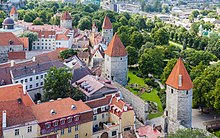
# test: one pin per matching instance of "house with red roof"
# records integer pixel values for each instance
(9, 43)
(65, 117)
(112, 117)
(16, 117)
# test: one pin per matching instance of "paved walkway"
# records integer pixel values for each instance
(197, 119)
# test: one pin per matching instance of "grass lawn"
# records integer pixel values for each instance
(217, 133)
(152, 96)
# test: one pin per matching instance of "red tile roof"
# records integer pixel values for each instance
(13, 10)
(148, 132)
(44, 33)
(13, 92)
(61, 107)
(6, 37)
(16, 113)
(116, 48)
(107, 23)
(173, 79)
(99, 102)
(65, 16)
(25, 42)
(16, 55)
(61, 37)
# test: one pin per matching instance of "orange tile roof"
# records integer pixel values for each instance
(13, 10)
(16, 113)
(6, 37)
(61, 37)
(44, 33)
(25, 42)
(13, 92)
(65, 16)
(116, 48)
(107, 23)
(61, 107)
(16, 55)
(179, 69)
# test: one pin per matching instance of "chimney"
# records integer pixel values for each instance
(12, 63)
(180, 81)
(34, 59)
(24, 89)
(4, 119)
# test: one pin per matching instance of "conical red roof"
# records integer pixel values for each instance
(116, 48)
(107, 23)
(13, 10)
(173, 79)
(66, 16)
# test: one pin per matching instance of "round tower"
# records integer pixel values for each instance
(14, 14)
(107, 29)
(178, 98)
(116, 61)
(66, 20)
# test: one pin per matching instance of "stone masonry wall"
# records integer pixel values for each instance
(140, 107)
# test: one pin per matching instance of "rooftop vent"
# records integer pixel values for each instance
(52, 112)
(59, 98)
(73, 107)
(39, 101)
(51, 100)
(19, 100)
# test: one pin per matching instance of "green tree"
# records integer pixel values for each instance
(167, 70)
(161, 36)
(57, 83)
(190, 133)
(146, 46)
(214, 48)
(65, 54)
(84, 23)
(132, 55)
(136, 39)
(151, 62)
(197, 70)
(32, 36)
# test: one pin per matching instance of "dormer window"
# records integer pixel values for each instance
(52, 112)
(95, 111)
(62, 122)
(55, 123)
(69, 120)
(76, 118)
(73, 107)
(48, 125)
(103, 108)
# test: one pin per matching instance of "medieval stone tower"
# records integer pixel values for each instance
(107, 29)
(66, 20)
(14, 14)
(116, 61)
(178, 98)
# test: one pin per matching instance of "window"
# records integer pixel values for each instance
(16, 81)
(113, 133)
(25, 80)
(41, 76)
(77, 118)
(47, 125)
(30, 86)
(26, 87)
(37, 84)
(69, 120)
(95, 111)
(21, 81)
(30, 79)
(103, 108)
(37, 77)
(16, 132)
(69, 129)
(172, 91)
(76, 128)
(94, 117)
(62, 122)
(55, 123)
(187, 92)
(103, 116)
(41, 83)
(76, 136)
(30, 129)
(62, 131)
(127, 129)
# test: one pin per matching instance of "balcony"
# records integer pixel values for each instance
(105, 127)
